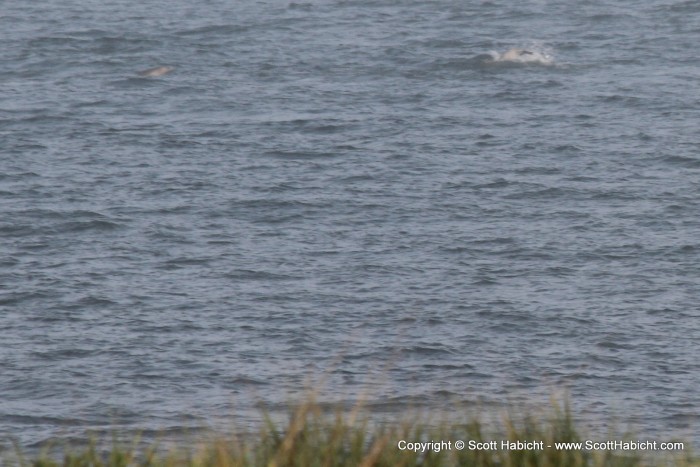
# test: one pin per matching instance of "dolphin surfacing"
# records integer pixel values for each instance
(156, 71)
(517, 55)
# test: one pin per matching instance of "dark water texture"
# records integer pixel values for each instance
(349, 189)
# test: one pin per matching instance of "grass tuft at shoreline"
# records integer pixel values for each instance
(314, 438)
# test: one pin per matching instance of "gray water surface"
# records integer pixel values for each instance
(349, 189)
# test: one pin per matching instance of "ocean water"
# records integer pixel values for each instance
(364, 192)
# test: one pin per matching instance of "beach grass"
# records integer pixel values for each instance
(314, 437)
